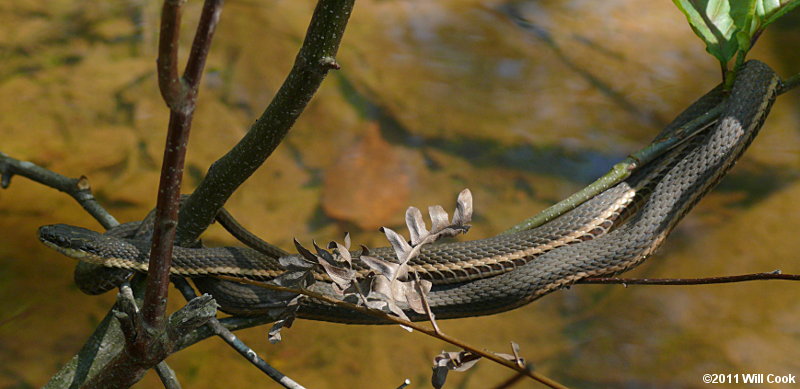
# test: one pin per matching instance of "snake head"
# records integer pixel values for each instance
(75, 242)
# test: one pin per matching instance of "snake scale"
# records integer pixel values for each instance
(608, 234)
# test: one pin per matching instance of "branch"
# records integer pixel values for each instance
(789, 84)
(148, 338)
(167, 63)
(776, 275)
(387, 317)
(107, 341)
(665, 141)
(315, 59)
(78, 188)
(201, 46)
(180, 121)
(699, 116)
(244, 350)
(128, 366)
(167, 376)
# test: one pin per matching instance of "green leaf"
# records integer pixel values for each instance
(729, 27)
(770, 10)
(712, 21)
(744, 17)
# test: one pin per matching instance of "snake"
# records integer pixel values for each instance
(610, 233)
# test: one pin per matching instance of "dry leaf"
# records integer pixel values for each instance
(446, 361)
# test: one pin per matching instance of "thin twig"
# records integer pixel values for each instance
(384, 316)
(668, 139)
(692, 281)
(663, 143)
(427, 307)
(789, 84)
(244, 350)
(78, 188)
(232, 323)
(169, 82)
(201, 45)
(167, 376)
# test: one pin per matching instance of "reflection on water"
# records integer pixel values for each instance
(522, 107)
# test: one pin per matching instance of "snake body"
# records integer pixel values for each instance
(608, 234)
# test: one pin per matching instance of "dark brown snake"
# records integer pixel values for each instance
(608, 234)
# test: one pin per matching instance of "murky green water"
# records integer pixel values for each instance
(432, 97)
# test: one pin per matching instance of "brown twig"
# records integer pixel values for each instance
(181, 109)
(169, 83)
(149, 346)
(427, 307)
(776, 275)
(385, 316)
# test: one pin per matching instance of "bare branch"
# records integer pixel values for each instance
(168, 81)
(201, 46)
(789, 84)
(244, 350)
(167, 376)
(78, 188)
(776, 275)
(181, 109)
(128, 366)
